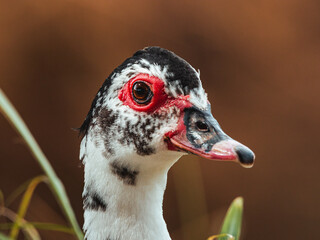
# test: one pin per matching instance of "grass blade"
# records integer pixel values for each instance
(52, 227)
(41, 226)
(4, 237)
(18, 191)
(29, 231)
(25, 203)
(233, 219)
(224, 236)
(16, 121)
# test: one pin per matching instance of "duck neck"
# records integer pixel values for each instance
(123, 197)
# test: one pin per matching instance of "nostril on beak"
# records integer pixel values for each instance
(245, 155)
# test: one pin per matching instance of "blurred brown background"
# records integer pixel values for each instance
(259, 62)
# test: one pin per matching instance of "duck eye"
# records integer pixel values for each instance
(141, 93)
(202, 126)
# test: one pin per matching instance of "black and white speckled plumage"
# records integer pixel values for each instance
(120, 145)
(181, 78)
(124, 151)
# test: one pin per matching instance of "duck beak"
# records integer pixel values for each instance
(200, 134)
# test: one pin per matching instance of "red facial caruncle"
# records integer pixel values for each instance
(196, 131)
(158, 98)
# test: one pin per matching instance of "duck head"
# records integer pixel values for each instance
(149, 112)
(154, 104)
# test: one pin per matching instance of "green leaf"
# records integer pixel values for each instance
(4, 237)
(16, 121)
(52, 227)
(29, 231)
(25, 203)
(232, 221)
(18, 191)
(41, 226)
(224, 236)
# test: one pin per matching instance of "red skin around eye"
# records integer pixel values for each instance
(159, 99)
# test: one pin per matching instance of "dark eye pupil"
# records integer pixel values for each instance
(202, 126)
(141, 92)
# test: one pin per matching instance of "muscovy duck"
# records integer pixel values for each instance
(148, 113)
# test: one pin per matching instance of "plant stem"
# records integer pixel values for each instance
(14, 118)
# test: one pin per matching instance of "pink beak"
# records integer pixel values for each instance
(200, 134)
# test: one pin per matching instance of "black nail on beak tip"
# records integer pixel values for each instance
(245, 155)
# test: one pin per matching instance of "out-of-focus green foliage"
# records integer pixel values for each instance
(231, 226)
(233, 219)
(25, 203)
(4, 237)
(8, 110)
